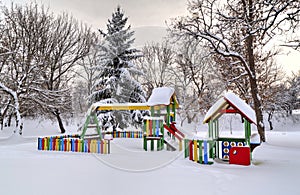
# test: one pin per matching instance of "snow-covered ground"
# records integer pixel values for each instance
(128, 169)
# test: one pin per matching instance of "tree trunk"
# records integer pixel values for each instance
(254, 90)
(59, 120)
(252, 77)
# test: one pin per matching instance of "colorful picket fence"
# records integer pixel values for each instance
(153, 126)
(125, 134)
(70, 144)
(199, 151)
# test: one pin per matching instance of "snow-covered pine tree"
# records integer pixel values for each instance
(115, 82)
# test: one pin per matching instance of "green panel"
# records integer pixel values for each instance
(174, 111)
(168, 115)
(152, 110)
(186, 148)
(217, 126)
(209, 129)
(145, 143)
(98, 126)
(152, 145)
(87, 121)
(200, 151)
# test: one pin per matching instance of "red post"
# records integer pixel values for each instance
(191, 149)
(65, 145)
(76, 145)
(150, 128)
(43, 143)
(89, 146)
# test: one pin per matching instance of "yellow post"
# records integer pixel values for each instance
(195, 151)
(79, 145)
(68, 145)
(45, 144)
(94, 146)
(56, 145)
(147, 127)
(180, 145)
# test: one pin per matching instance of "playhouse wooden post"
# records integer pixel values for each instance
(195, 151)
(168, 116)
(145, 143)
(247, 131)
(210, 129)
(200, 151)
(152, 145)
(174, 111)
(186, 148)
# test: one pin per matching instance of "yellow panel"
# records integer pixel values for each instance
(123, 107)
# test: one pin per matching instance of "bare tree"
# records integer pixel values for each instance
(155, 64)
(41, 52)
(87, 71)
(194, 76)
(235, 29)
(69, 42)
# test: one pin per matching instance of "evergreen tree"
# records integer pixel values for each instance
(115, 82)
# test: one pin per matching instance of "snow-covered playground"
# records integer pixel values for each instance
(131, 170)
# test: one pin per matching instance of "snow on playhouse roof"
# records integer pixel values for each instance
(162, 96)
(230, 99)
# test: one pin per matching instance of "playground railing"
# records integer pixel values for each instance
(69, 144)
(199, 151)
(125, 134)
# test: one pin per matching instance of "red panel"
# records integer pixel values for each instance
(239, 156)
(191, 150)
(150, 128)
(229, 111)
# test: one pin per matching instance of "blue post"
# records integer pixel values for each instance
(39, 143)
(98, 146)
(85, 146)
(50, 143)
(61, 144)
(73, 145)
(157, 127)
(205, 152)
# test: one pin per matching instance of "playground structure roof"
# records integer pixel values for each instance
(227, 101)
(160, 96)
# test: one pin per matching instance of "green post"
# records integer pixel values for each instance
(87, 121)
(217, 128)
(211, 148)
(200, 151)
(210, 129)
(168, 115)
(174, 111)
(152, 145)
(82, 145)
(162, 130)
(186, 148)
(152, 111)
(97, 126)
(247, 131)
(145, 143)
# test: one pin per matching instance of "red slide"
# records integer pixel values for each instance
(174, 131)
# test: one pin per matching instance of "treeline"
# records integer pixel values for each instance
(50, 66)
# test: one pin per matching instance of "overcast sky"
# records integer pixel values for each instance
(97, 12)
(140, 13)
